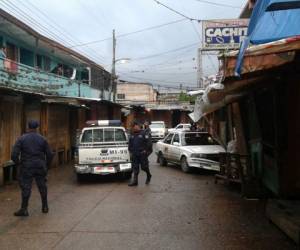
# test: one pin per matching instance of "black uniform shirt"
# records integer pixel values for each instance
(33, 149)
(140, 142)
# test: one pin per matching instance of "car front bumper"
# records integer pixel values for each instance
(204, 163)
(103, 169)
(158, 136)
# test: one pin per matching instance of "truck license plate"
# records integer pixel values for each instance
(108, 169)
(125, 166)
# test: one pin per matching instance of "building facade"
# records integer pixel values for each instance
(129, 92)
(43, 80)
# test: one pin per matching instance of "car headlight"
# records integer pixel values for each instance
(198, 155)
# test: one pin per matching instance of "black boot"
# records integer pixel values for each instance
(45, 208)
(23, 211)
(148, 178)
(134, 181)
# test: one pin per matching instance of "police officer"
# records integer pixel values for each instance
(147, 128)
(140, 146)
(147, 131)
(33, 154)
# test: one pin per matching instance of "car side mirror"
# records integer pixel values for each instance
(176, 144)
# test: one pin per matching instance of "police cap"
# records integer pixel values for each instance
(33, 124)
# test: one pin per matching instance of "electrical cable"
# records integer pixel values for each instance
(219, 4)
(175, 11)
(185, 16)
(130, 33)
(165, 52)
(153, 80)
(165, 73)
(26, 17)
(15, 10)
(56, 26)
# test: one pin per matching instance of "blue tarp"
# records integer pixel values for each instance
(271, 20)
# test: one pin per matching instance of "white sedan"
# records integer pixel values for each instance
(180, 127)
(190, 150)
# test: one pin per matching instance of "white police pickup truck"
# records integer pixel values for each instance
(102, 150)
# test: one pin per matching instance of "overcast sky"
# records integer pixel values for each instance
(73, 22)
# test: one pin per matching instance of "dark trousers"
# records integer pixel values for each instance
(25, 179)
(140, 161)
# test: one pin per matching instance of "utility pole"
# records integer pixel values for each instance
(113, 69)
(200, 69)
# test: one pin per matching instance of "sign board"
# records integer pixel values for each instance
(224, 34)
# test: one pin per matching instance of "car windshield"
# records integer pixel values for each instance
(197, 139)
(103, 135)
(157, 125)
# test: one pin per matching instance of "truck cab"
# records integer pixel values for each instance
(103, 150)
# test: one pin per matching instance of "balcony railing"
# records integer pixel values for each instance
(18, 76)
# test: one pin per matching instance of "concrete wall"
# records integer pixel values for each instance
(137, 92)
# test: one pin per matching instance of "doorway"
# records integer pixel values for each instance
(176, 118)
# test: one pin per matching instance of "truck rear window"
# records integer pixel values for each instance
(103, 135)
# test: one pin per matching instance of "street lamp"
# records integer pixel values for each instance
(123, 60)
(114, 77)
(113, 68)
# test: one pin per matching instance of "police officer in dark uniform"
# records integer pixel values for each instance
(140, 146)
(34, 156)
(147, 131)
(147, 128)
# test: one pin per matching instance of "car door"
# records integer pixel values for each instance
(175, 148)
(166, 146)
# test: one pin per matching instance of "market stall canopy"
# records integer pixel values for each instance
(262, 57)
(271, 20)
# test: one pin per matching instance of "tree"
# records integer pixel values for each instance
(184, 97)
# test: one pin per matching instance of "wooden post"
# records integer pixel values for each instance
(241, 141)
(1, 176)
(229, 122)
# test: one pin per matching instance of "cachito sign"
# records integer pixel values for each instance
(224, 34)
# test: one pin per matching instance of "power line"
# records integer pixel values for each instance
(196, 31)
(15, 10)
(93, 16)
(175, 11)
(219, 4)
(56, 26)
(165, 52)
(153, 80)
(164, 73)
(130, 33)
(151, 28)
(191, 18)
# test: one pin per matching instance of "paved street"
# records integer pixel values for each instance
(177, 211)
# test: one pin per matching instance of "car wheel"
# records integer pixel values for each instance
(184, 165)
(162, 160)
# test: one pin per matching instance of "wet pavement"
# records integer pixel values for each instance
(176, 211)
